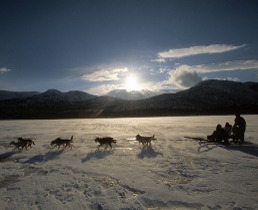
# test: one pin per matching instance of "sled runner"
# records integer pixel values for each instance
(200, 139)
(205, 140)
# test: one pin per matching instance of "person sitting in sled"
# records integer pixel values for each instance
(228, 129)
(219, 135)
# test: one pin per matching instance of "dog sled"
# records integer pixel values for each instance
(203, 140)
(200, 140)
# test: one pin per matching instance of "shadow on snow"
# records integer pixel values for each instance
(7, 155)
(43, 158)
(248, 148)
(98, 154)
(148, 152)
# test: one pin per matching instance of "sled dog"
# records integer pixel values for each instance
(27, 142)
(62, 142)
(107, 141)
(18, 145)
(145, 140)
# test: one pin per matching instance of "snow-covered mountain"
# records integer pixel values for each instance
(208, 97)
(50, 104)
(132, 95)
(7, 95)
(58, 96)
(49, 95)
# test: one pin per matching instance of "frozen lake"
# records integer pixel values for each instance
(120, 128)
(176, 173)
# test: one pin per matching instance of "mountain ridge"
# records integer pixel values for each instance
(7, 95)
(118, 93)
(207, 97)
(132, 95)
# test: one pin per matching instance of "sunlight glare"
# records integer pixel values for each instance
(132, 83)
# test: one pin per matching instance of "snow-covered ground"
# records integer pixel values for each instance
(176, 173)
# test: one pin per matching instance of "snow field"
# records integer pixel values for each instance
(175, 173)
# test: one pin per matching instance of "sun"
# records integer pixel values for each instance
(132, 83)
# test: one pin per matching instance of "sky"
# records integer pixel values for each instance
(102, 45)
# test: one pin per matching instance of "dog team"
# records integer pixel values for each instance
(64, 143)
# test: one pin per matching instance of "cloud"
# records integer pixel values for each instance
(183, 77)
(197, 50)
(159, 60)
(102, 89)
(3, 70)
(105, 75)
(226, 66)
(235, 79)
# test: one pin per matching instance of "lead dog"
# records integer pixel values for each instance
(145, 140)
(62, 142)
(105, 141)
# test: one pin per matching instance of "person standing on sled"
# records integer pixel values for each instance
(239, 128)
(219, 135)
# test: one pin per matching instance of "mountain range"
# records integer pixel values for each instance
(209, 97)
(6, 95)
(132, 95)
